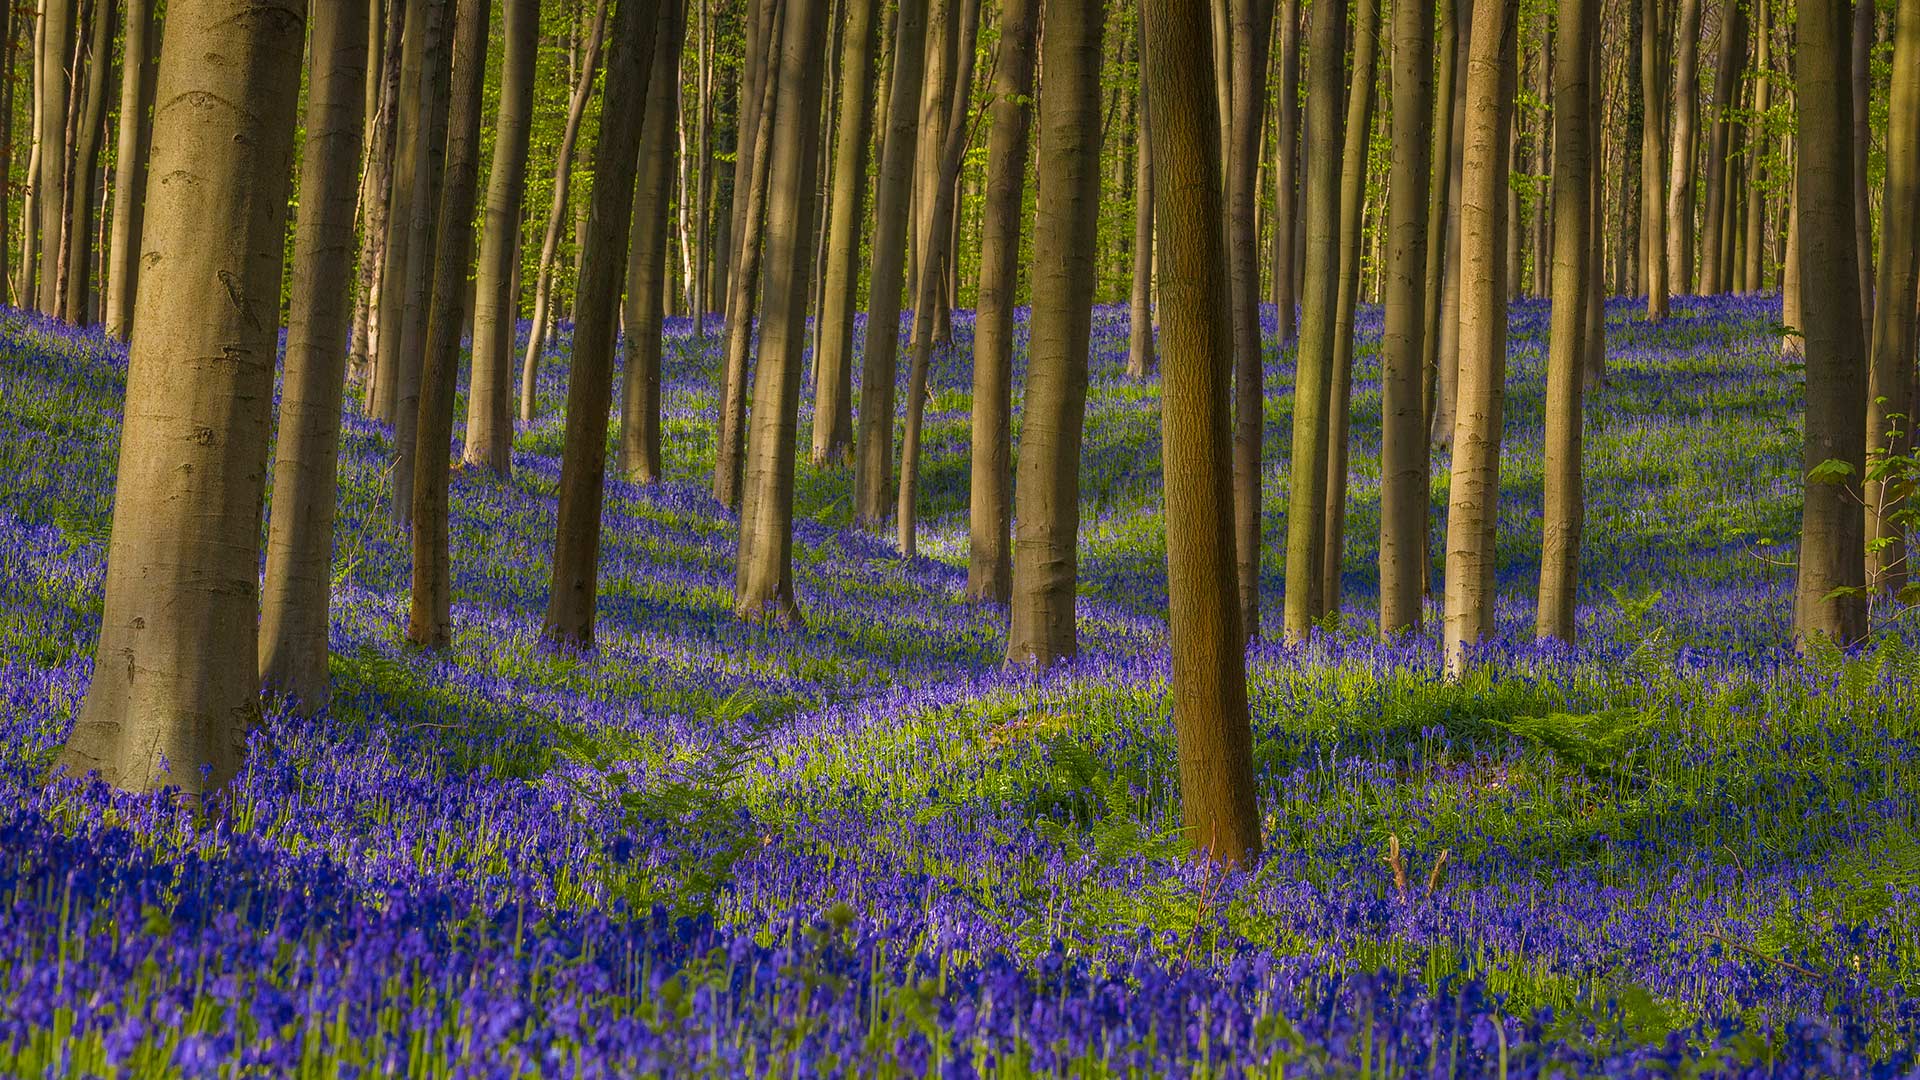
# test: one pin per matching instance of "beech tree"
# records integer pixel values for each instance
(1681, 148)
(176, 680)
(130, 169)
(1252, 22)
(1891, 399)
(833, 385)
(1047, 479)
(1653, 158)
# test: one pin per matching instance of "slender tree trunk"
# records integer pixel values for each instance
(1753, 273)
(130, 170)
(763, 583)
(376, 202)
(1252, 28)
(489, 439)
(1683, 148)
(1890, 378)
(703, 196)
(1564, 508)
(1472, 508)
(423, 234)
(294, 599)
(1326, 61)
(12, 22)
(1353, 188)
(1829, 598)
(1729, 70)
(86, 163)
(754, 92)
(1862, 88)
(1446, 373)
(833, 385)
(640, 402)
(1286, 173)
(383, 394)
(1141, 362)
(1793, 342)
(56, 72)
(744, 289)
(430, 618)
(177, 685)
(990, 495)
(1403, 430)
(557, 217)
(1446, 90)
(1047, 485)
(583, 466)
(26, 289)
(893, 199)
(1210, 714)
(1653, 160)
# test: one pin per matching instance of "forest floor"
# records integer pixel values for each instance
(863, 847)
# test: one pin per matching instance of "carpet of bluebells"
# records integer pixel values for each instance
(863, 848)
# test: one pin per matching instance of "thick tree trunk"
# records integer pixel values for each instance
(893, 205)
(583, 465)
(1653, 161)
(1326, 63)
(56, 74)
(990, 493)
(1728, 73)
(1683, 149)
(1472, 508)
(496, 308)
(1210, 715)
(86, 164)
(294, 599)
(1353, 189)
(557, 217)
(640, 402)
(1286, 174)
(176, 686)
(130, 170)
(1047, 486)
(833, 385)
(1828, 599)
(1252, 28)
(1403, 429)
(763, 582)
(430, 617)
(1576, 104)
(1890, 378)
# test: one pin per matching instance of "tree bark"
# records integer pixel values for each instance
(130, 170)
(1829, 598)
(56, 72)
(1326, 62)
(640, 402)
(1653, 162)
(1472, 508)
(1252, 28)
(1753, 272)
(583, 465)
(1440, 224)
(990, 492)
(1446, 365)
(1286, 173)
(1353, 189)
(1564, 509)
(833, 385)
(176, 685)
(430, 618)
(86, 165)
(376, 206)
(893, 205)
(298, 584)
(1047, 484)
(383, 393)
(1862, 88)
(1141, 362)
(557, 217)
(1729, 70)
(1683, 148)
(1403, 431)
(763, 583)
(1890, 377)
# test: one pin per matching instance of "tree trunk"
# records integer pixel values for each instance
(430, 618)
(557, 217)
(383, 394)
(1403, 429)
(176, 686)
(640, 402)
(1141, 363)
(1210, 714)
(1862, 88)
(1326, 63)
(893, 205)
(1445, 375)
(1890, 377)
(1047, 485)
(1252, 28)
(489, 439)
(990, 493)
(1286, 173)
(763, 582)
(703, 231)
(26, 288)
(1728, 71)
(423, 232)
(130, 170)
(56, 72)
(833, 385)
(11, 24)
(761, 38)
(951, 118)
(583, 465)
(1753, 272)
(1440, 224)
(376, 203)
(86, 164)
(1653, 161)
(1793, 342)
(1683, 148)
(1353, 190)
(294, 599)
(1829, 598)
(1564, 509)
(1472, 508)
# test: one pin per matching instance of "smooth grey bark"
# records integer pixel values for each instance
(1252, 26)
(833, 384)
(645, 310)
(130, 169)
(1890, 386)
